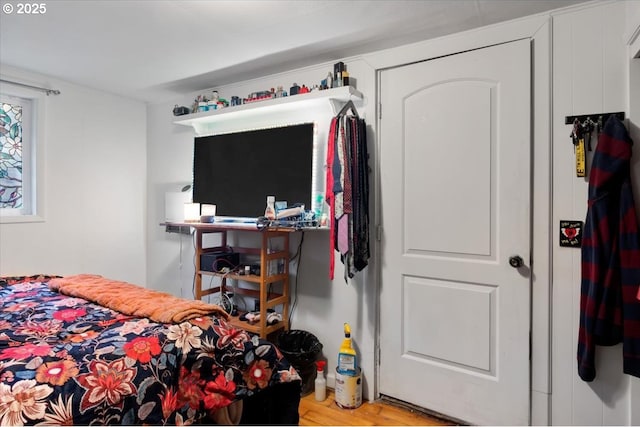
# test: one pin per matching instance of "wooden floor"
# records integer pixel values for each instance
(379, 413)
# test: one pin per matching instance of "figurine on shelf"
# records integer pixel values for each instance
(329, 81)
(338, 68)
(222, 103)
(200, 103)
(345, 78)
(294, 89)
(180, 111)
(304, 89)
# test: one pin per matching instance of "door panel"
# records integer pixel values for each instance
(465, 340)
(455, 191)
(450, 230)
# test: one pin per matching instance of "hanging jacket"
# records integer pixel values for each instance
(609, 309)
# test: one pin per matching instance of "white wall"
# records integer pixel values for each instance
(94, 184)
(591, 74)
(322, 306)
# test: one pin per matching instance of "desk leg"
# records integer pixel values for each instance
(198, 276)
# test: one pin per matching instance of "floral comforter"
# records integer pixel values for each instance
(65, 361)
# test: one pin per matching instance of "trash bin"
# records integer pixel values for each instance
(302, 349)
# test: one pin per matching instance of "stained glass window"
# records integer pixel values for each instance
(11, 168)
(17, 157)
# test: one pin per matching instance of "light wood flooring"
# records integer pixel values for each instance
(378, 413)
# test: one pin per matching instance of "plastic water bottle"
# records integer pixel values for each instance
(321, 382)
(270, 210)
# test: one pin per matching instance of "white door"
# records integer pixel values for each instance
(455, 205)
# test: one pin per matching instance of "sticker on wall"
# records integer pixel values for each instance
(571, 233)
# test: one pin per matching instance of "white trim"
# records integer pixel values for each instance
(37, 153)
(21, 219)
(541, 236)
(457, 43)
(538, 29)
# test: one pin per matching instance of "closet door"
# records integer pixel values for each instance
(455, 203)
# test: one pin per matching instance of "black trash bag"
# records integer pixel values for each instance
(301, 349)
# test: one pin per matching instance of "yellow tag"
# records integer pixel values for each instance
(580, 159)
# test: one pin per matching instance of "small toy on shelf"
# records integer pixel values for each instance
(338, 68)
(345, 78)
(328, 82)
(180, 111)
(259, 96)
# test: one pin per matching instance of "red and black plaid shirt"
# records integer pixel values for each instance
(609, 309)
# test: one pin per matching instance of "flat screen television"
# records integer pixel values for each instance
(237, 171)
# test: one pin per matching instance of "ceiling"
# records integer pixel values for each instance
(152, 50)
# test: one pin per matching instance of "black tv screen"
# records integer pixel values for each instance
(237, 171)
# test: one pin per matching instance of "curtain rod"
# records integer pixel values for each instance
(43, 89)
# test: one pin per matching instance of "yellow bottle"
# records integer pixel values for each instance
(347, 358)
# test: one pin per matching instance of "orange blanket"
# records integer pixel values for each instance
(134, 300)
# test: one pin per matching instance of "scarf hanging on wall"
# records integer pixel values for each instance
(347, 193)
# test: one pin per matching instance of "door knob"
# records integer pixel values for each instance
(516, 261)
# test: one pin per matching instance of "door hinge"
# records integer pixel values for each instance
(380, 110)
(379, 233)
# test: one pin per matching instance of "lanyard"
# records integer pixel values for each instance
(581, 136)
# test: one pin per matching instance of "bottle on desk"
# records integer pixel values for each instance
(270, 210)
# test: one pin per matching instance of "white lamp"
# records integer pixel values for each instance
(191, 212)
(174, 203)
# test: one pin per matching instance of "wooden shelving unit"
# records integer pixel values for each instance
(260, 284)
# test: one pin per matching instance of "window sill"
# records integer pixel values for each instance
(20, 219)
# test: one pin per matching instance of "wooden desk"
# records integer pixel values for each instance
(268, 274)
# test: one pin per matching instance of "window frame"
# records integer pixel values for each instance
(32, 157)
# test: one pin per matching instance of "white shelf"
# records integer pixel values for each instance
(335, 98)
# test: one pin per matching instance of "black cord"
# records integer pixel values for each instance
(298, 250)
(295, 294)
(231, 266)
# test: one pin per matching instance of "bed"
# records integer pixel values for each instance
(68, 360)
